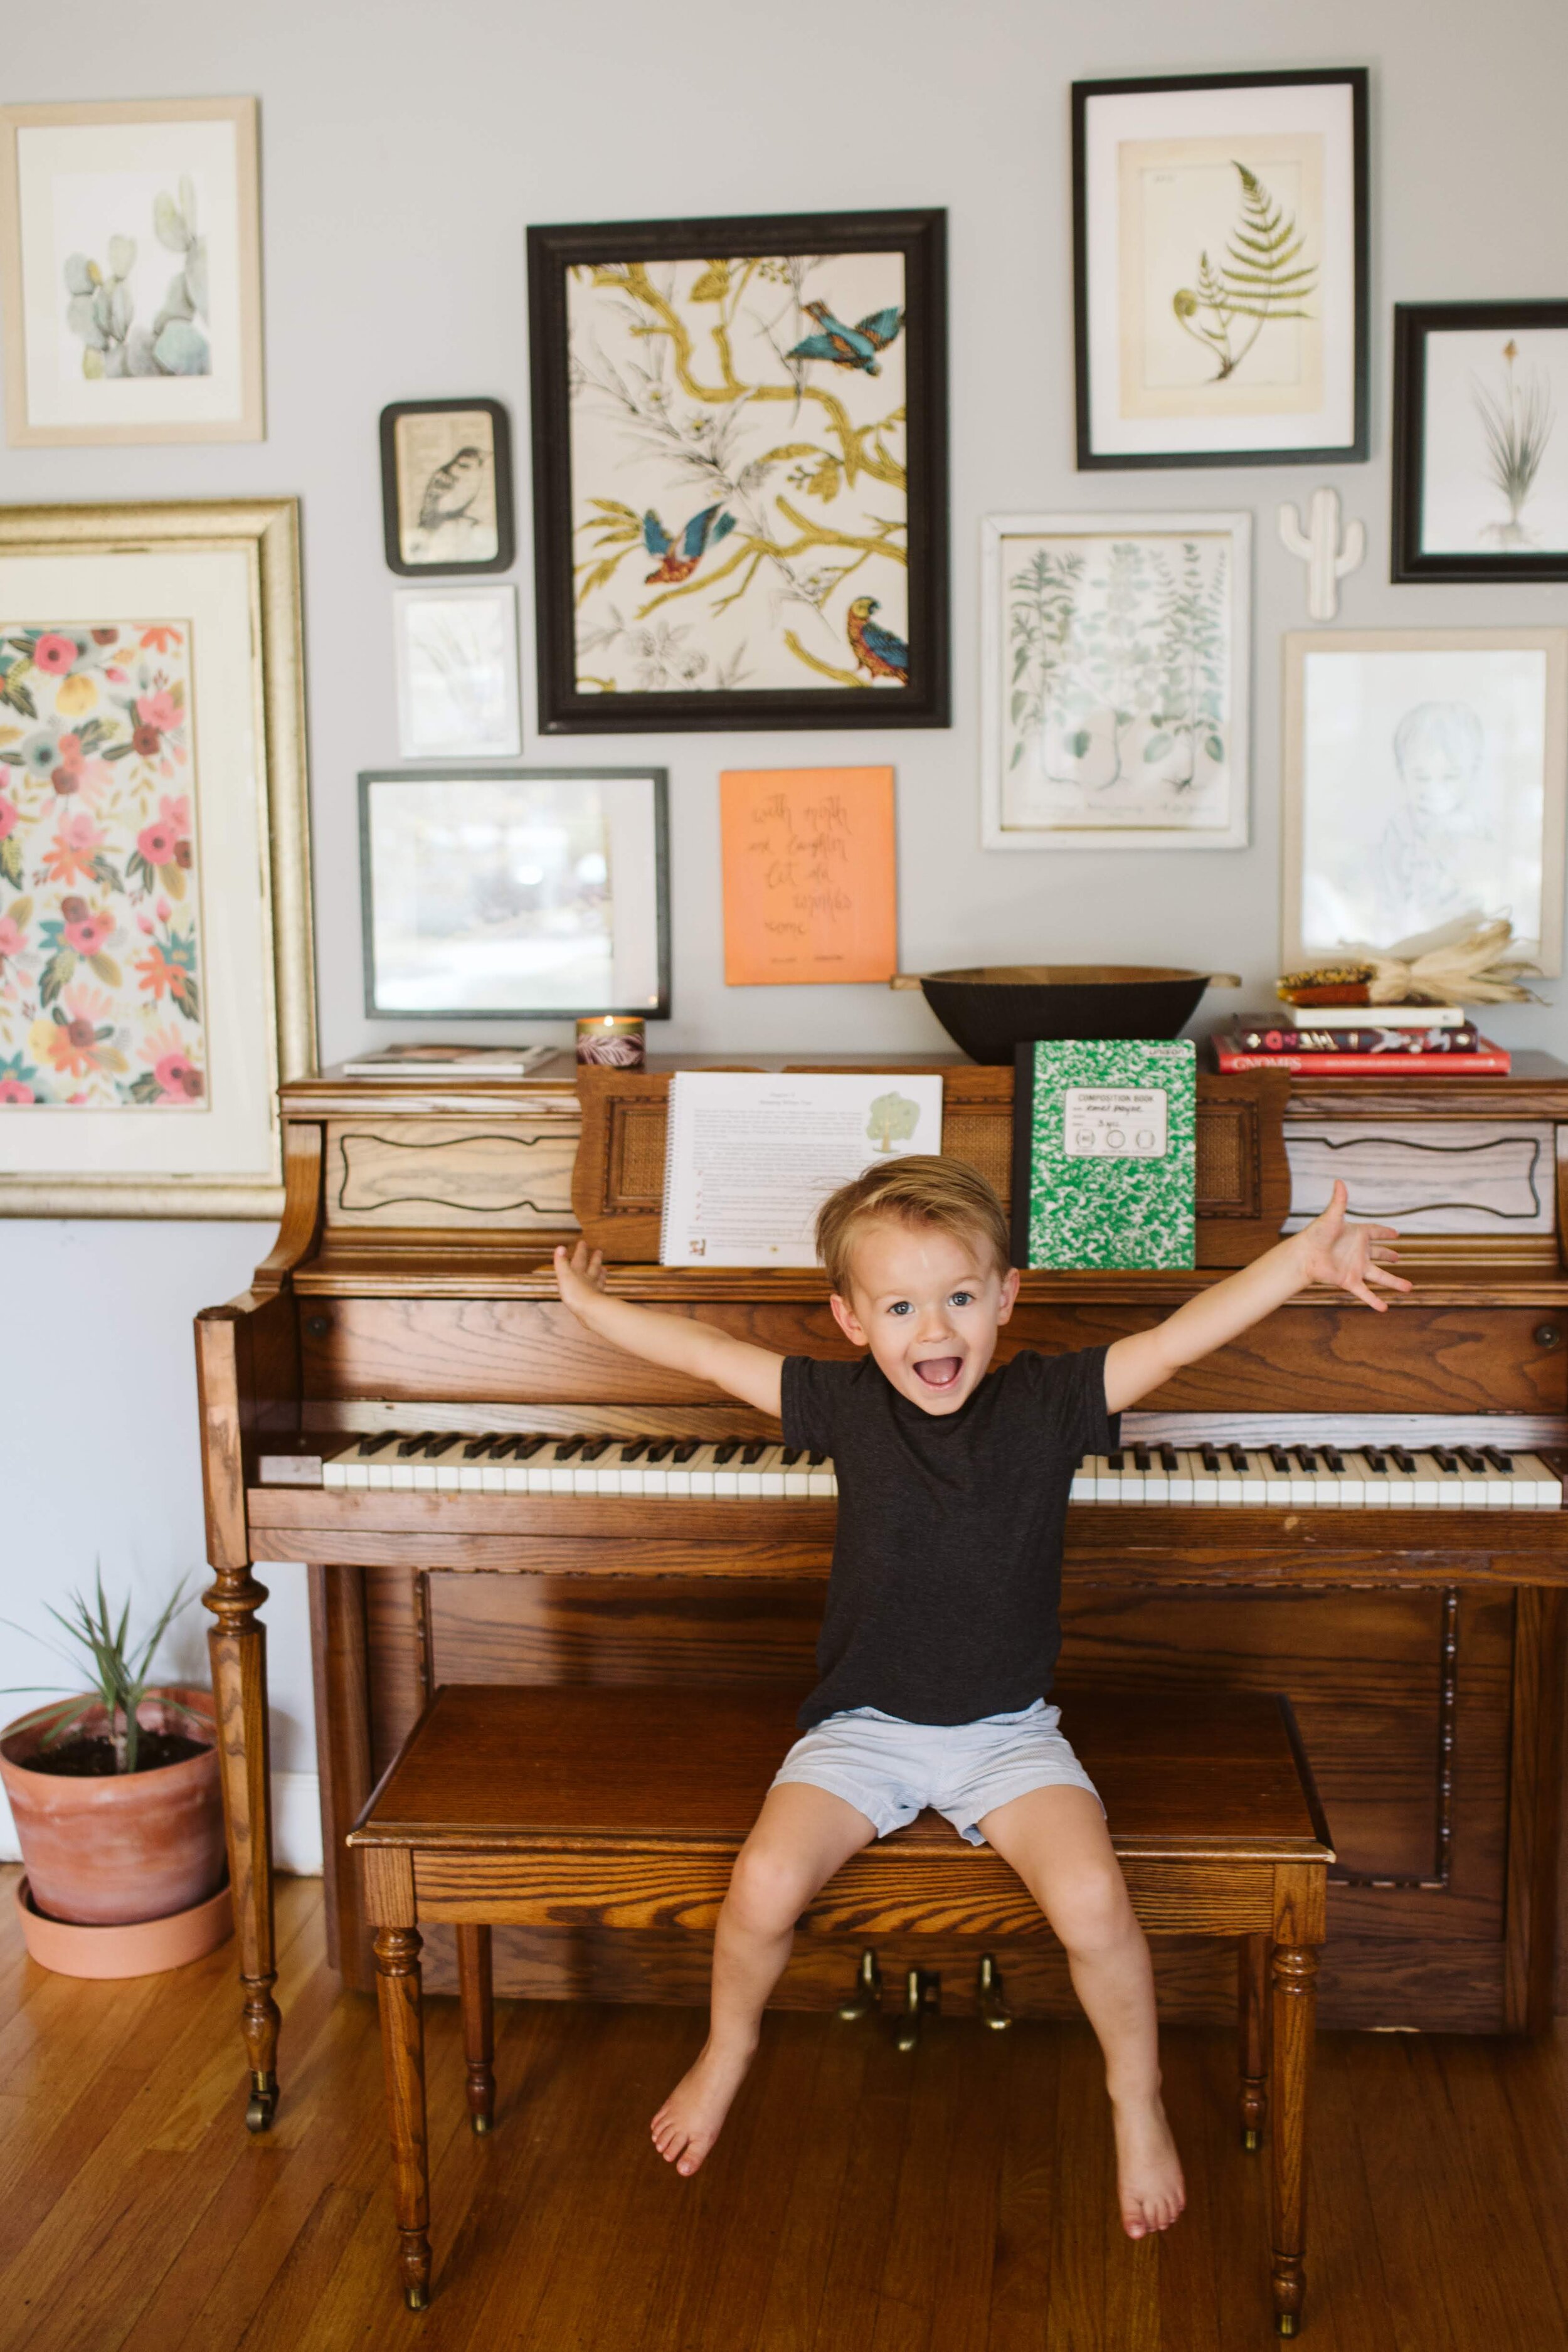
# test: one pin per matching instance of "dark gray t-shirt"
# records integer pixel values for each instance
(942, 1603)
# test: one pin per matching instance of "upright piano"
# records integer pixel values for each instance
(1365, 1511)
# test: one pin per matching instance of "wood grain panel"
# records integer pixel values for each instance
(394, 1637)
(569, 1628)
(447, 1174)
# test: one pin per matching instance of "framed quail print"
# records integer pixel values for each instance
(739, 468)
(446, 487)
(1481, 441)
(1220, 269)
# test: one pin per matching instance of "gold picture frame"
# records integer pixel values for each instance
(163, 297)
(225, 573)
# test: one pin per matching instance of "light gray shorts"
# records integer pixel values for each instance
(889, 1770)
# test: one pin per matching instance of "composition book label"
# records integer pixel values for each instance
(1104, 1154)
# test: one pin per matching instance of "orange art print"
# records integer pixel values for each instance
(810, 875)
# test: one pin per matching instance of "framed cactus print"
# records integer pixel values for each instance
(156, 977)
(739, 468)
(1481, 441)
(1220, 269)
(131, 271)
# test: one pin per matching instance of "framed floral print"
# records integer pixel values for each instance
(739, 466)
(446, 487)
(1220, 268)
(1481, 441)
(155, 973)
(131, 271)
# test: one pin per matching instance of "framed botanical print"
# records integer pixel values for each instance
(1425, 775)
(155, 969)
(1220, 268)
(515, 894)
(446, 487)
(1116, 658)
(1481, 441)
(457, 671)
(131, 271)
(739, 466)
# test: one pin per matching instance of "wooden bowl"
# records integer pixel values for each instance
(990, 1009)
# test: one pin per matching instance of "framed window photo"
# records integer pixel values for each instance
(446, 487)
(1424, 790)
(739, 468)
(1481, 441)
(1220, 268)
(155, 969)
(131, 271)
(515, 894)
(1115, 659)
(456, 672)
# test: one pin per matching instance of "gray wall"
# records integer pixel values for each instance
(404, 149)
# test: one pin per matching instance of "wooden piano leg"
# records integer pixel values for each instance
(1295, 2013)
(398, 1989)
(1252, 2006)
(479, 2024)
(237, 1647)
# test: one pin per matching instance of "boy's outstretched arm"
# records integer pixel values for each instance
(683, 1345)
(1350, 1257)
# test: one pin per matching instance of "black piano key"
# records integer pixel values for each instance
(478, 1446)
(1239, 1460)
(816, 1461)
(726, 1452)
(1376, 1461)
(1115, 1461)
(1141, 1459)
(686, 1449)
(525, 1448)
(600, 1445)
(1306, 1458)
(1471, 1460)
(1444, 1456)
(413, 1445)
(1209, 1456)
(634, 1451)
(1168, 1460)
(1279, 1459)
(440, 1445)
(662, 1450)
(1498, 1458)
(790, 1456)
(752, 1454)
(1333, 1460)
(567, 1447)
(369, 1445)
(1403, 1459)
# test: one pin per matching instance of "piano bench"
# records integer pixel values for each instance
(625, 1806)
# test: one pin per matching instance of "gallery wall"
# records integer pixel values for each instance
(403, 153)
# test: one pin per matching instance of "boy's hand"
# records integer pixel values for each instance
(1350, 1257)
(580, 1277)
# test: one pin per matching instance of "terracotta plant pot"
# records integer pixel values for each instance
(138, 1845)
(145, 1949)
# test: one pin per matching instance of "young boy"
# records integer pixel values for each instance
(939, 1632)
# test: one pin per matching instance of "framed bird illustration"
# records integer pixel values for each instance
(739, 468)
(446, 487)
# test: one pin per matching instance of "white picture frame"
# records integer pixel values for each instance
(457, 695)
(131, 272)
(1424, 784)
(1080, 615)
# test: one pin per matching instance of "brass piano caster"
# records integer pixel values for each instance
(417, 2298)
(922, 1991)
(263, 2103)
(1286, 2324)
(994, 2008)
(867, 1998)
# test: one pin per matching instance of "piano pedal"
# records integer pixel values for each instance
(867, 1998)
(994, 2008)
(263, 2103)
(922, 1991)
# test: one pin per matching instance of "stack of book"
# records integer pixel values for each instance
(1347, 1041)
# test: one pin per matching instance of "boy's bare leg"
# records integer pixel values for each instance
(1056, 1841)
(802, 1835)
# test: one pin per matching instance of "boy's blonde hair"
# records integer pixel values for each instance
(918, 1188)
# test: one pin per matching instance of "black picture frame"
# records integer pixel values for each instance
(553, 252)
(505, 555)
(1354, 451)
(1413, 324)
(482, 774)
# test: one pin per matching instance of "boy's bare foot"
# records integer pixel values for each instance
(691, 2118)
(1148, 2169)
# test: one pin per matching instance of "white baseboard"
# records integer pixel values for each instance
(296, 1825)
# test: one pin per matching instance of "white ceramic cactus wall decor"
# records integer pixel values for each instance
(1320, 548)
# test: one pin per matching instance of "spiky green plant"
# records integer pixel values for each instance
(1517, 427)
(119, 1675)
(1261, 277)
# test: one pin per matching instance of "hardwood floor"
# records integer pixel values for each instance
(959, 2200)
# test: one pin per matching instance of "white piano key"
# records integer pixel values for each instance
(1183, 1478)
(1082, 1487)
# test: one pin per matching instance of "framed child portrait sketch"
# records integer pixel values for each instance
(739, 466)
(457, 671)
(515, 894)
(1116, 656)
(155, 966)
(1425, 773)
(131, 271)
(1481, 441)
(446, 487)
(1220, 268)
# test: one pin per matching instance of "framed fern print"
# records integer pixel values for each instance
(1115, 656)
(1220, 269)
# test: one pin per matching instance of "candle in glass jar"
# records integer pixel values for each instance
(618, 1040)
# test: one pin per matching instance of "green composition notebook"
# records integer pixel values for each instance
(1104, 1154)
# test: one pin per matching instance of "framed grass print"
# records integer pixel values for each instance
(131, 271)
(155, 969)
(1116, 658)
(446, 487)
(515, 894)
(1425, 776)
(1481, 441)
(457, 671)
(1220, 268)
(739, 466)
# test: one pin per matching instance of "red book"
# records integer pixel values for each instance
(1488, 1061)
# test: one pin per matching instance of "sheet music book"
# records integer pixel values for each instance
(1105, 1154)
(750, 1156)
